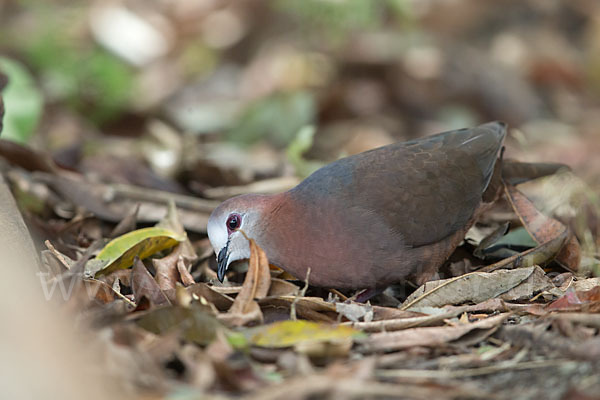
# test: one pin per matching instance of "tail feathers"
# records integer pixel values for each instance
(514, 172)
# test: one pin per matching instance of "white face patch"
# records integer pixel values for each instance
(217, 232)
(237, 245)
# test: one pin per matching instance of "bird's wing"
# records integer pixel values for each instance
(424, 190)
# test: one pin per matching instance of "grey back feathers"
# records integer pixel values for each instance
(423, 190)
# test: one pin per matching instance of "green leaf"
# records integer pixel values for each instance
(291, 333)
(120, 252)
(22, 100)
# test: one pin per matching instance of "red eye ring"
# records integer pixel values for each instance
(234, 221)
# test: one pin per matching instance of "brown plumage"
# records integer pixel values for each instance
(372, 219)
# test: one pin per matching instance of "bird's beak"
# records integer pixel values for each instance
(222, 263)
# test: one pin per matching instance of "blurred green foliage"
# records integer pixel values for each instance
(296, 149)
(276, 118)
(333, 16)
(71, 68)
(332, 20)
(23, 102)
(90, 80)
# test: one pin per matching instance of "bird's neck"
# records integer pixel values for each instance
(281, 233)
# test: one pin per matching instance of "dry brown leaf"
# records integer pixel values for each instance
(280, 287)
(100, 290)
(281, 306)
(537, 282)
(474, 287)
(587, 301)
(166, 269)
(430, 336)
(586, 284)
(256, 285)
(144, 285)
(221, 301)
(184, 275)
(313, 303)
(121, 275)
(257, 281)
(545, 229)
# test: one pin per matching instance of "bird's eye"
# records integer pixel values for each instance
(233, 222)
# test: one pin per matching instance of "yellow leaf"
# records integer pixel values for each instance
(120, 252)
(292, 333)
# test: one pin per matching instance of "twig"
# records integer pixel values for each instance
(158, 196)
(301, 294)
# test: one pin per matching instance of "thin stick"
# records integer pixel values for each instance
(302, 293)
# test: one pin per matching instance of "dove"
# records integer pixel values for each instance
(384, 216)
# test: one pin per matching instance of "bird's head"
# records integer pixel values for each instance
(242, 213)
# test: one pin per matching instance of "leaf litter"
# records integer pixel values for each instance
(267, 318)
(172, 331)
(163, 298)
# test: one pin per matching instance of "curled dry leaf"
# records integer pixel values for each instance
(184, 274)
(256, 285)
(545, 229)
(172, 269)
